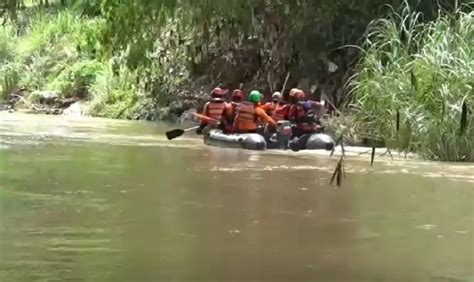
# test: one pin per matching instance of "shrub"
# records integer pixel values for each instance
(422, 73)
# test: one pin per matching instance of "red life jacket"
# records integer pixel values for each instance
(215, 109)
(301, 112)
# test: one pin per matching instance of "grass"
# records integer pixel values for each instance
(63, 51)
(423, 73)
(60, 51)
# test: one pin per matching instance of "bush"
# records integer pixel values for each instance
(421, 73)
(57, 51)
(114, 95)
(76, 79)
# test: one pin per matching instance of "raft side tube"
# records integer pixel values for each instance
(320, 141)
(249, 141)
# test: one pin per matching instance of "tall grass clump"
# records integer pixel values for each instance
(115, 92)
(57, 51)
(414, 84)
(9, 76)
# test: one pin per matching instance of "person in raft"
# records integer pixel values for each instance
(215, 108)
(278, 109)
(303, 113)
(231, 110)
(250, 115)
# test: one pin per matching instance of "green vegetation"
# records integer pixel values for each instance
(424, 74)
(154, 59)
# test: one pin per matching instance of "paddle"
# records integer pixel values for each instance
(206, 118)
(175, 133)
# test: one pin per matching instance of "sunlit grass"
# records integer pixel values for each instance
(425, 73)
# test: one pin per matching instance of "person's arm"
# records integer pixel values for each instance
(319, 106)
(267, 107)
(286, 113)
(292, 113)
(203, 122)
(205, 113)
(264, 117)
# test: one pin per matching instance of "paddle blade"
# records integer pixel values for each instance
(175, 133)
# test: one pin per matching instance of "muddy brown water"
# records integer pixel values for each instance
(102, 200)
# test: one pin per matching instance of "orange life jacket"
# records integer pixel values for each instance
(280, 112)
(235, 106)
(246, 111)
(269, 108)
(230, 115)
(216, 109)
(246, 119)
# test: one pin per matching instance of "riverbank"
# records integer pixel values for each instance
(410, 88)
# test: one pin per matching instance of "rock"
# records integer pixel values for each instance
(44, 97)
(76, 109)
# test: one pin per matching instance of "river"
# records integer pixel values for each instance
(104, 200)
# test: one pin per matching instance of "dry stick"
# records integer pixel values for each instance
(372, 157)
(342, 145)
(284, 84)
(340, 171)
(339, 141)
(269, 81)
(331, 104)
(344, 171)
(339, 175)
(27, 103)
(336, 171)
(398, 121)
(463, 122)
(387, 152)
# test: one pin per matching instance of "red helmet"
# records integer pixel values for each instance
(238, 94)
(293, 91)
(217, 92)
(299, 95)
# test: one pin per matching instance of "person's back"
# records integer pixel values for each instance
(269, 107)
(214, 109)
(280, 109)
(249, 115)
(231, 110)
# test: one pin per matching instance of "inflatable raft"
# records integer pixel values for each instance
(249, 141)
(254, 141)
(316, 141)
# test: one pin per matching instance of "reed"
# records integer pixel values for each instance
(414, 84)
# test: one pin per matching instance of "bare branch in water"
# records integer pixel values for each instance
(372, 157)
(338, 173)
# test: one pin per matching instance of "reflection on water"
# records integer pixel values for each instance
(99, 200)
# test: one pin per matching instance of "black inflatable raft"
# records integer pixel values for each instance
(254, 141)
(316, 141)
(249, 141)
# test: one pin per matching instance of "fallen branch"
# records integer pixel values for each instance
(28, 104)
